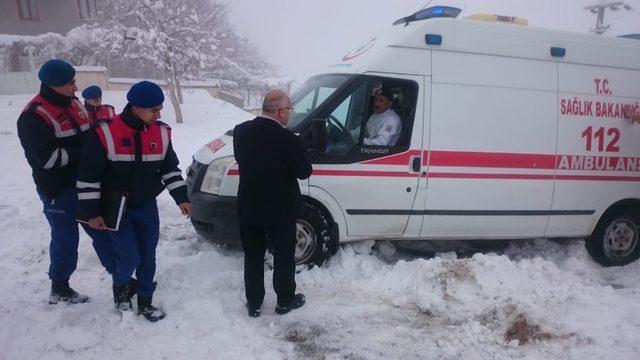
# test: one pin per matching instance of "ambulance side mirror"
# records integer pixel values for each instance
(319, 135)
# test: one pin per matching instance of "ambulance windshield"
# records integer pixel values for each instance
(312, 94)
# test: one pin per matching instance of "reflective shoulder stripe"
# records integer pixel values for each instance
(176, 184)
(52, 159)
(82, 109)
(112, 113)
(84, 185)
(170, 175)
(89, 195)
(44, 113)
(165, 140)
(111, 149)
(56, 126)
(65, 157)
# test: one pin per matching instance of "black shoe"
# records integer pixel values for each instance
(254, 311)
(297, 302)
(61, 291)
(122, 298)
(149, 311)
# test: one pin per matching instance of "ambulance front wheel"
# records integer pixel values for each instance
(616, 239)
(313, 235)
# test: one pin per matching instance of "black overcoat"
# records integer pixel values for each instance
(270, 160)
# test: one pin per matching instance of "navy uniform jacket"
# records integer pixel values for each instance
(52, 129)
(134, 158)
(270, 160)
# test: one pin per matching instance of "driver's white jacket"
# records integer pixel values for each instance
(383, 129)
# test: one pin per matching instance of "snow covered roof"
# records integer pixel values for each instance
(7, 39)
(90, 68)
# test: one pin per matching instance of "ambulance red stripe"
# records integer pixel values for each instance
(472, 159)
(492, 160)
(323, 172)
(469, 159)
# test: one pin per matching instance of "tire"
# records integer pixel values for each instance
(314, 238)
(616, 239)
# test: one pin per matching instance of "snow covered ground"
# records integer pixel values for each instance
(360, 305)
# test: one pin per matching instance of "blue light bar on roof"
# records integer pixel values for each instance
(430, 13)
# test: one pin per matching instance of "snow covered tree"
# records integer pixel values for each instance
(172, 35)
(180, 39)
(172, 40)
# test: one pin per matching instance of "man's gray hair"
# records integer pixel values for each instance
(273, 101)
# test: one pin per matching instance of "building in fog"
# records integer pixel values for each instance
(23, 22)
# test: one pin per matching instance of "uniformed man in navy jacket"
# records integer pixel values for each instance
(133, 155)
(270, 160)
(52, 129)
(93, 102)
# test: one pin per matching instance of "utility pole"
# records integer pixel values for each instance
(599, 9)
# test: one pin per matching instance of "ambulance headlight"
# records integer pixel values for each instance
(215, 172)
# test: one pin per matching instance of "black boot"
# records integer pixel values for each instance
(61, 291)
(122, 298)
(149, 311)
(131, 288)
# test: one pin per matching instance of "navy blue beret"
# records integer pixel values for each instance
(56, 72)
(92, 92)
(145, 94)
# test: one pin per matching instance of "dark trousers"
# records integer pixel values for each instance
(254, 242)
(63, 249)
(135, 246)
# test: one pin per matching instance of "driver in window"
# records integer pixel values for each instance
(384, 125)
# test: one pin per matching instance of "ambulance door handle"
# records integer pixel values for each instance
(415, 164)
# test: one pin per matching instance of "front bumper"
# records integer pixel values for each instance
(213, 216)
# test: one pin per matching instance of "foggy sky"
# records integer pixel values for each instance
(304, 36)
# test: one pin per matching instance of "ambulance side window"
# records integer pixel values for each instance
(311, 94)
(343, 120)
(389, 124)
(347, 116)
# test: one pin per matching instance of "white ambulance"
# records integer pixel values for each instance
(508, 132)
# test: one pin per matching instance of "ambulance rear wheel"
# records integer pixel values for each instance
(313, 235)
(616, 239)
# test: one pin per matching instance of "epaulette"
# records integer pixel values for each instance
(160, 123)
